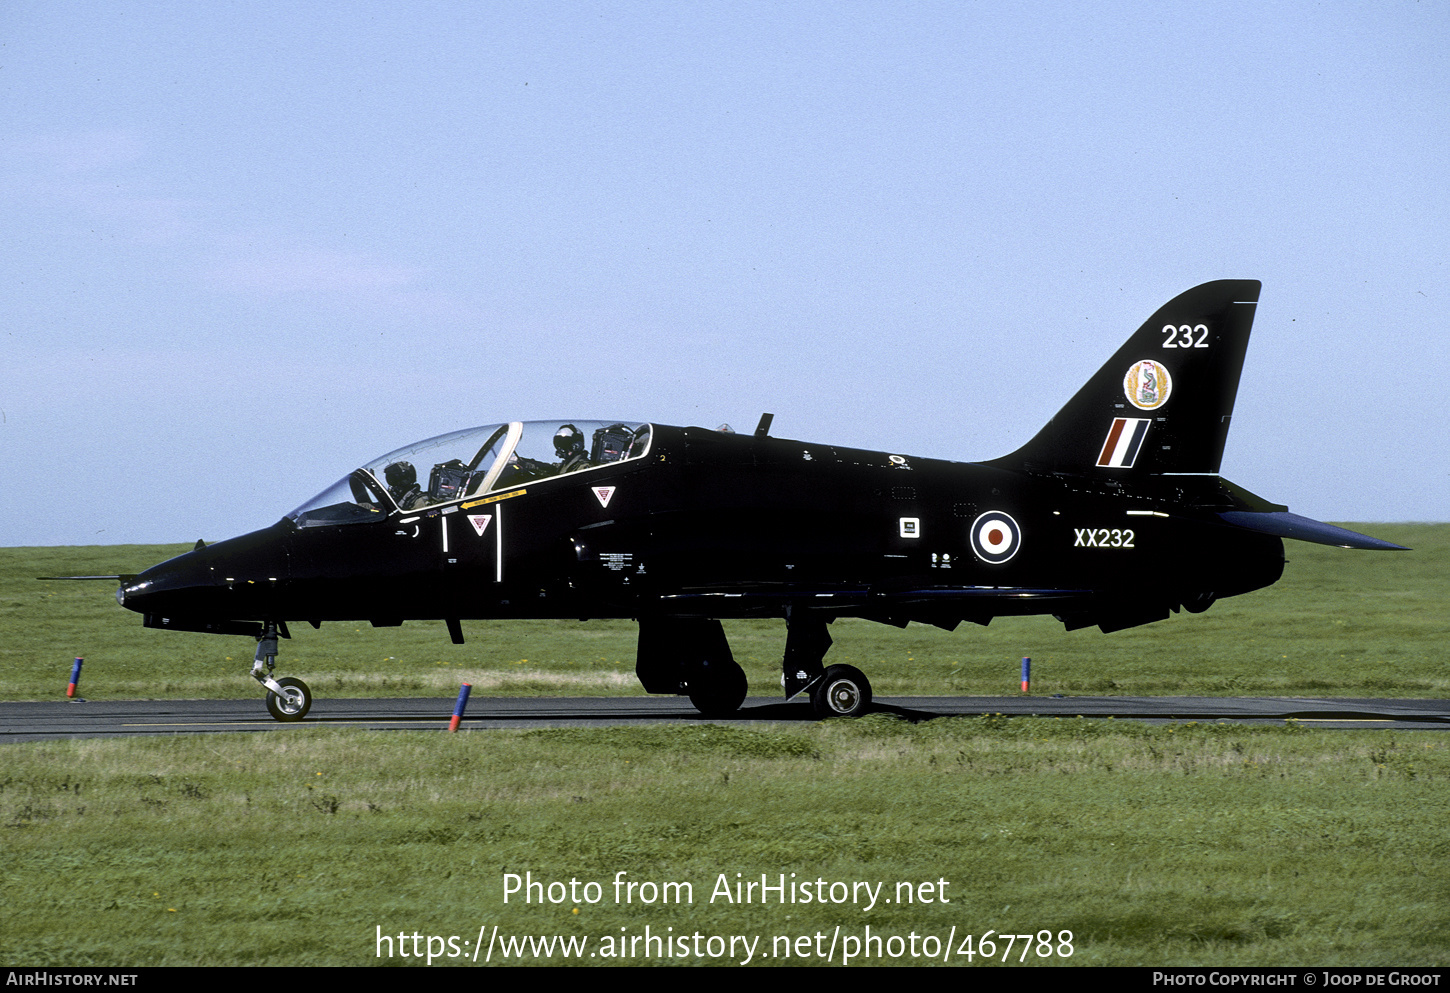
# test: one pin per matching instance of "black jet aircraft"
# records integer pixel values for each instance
(1113, 515)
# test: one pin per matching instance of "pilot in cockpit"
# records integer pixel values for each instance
(403, 485)
(569, 447)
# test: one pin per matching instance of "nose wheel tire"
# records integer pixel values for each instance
(842, 692)
(293, 703)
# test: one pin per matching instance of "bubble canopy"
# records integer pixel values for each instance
(468, 463)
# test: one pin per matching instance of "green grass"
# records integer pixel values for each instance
(1340, 623)
(1188, 844)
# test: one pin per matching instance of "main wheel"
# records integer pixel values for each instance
(718, 689)
(842, 692)
(295, 702)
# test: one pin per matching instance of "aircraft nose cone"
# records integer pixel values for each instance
(230, 578)
(157, 587)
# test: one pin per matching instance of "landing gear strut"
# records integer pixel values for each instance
(288, 698)
(835, 691)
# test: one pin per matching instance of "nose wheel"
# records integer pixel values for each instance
(288, 698)
(290, 701)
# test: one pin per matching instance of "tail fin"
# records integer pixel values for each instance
(1163, 401)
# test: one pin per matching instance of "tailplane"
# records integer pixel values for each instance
(1162, 403)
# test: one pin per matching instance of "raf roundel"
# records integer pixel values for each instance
(995, 537)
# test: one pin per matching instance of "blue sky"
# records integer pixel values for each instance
(249, 247)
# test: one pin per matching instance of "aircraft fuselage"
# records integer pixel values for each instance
(727, 525)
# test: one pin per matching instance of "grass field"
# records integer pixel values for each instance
(1187, 844)
(1191, 844)
(1340, 623)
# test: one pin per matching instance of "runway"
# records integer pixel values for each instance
(49, 720)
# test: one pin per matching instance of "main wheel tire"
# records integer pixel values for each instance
(295, 703)
(718, 690)
(842, 692)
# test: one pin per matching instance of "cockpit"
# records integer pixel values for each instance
(471, 463)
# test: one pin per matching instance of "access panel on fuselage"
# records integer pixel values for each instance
(778, 511)
(361, 571)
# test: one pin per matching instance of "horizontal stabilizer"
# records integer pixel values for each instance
(123, 578)
(1287, 525)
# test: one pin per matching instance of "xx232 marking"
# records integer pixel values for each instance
(1183, 336)
(1103, 538)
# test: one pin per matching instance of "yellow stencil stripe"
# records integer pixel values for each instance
(494, 499)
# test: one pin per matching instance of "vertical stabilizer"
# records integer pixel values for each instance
(1162, 403)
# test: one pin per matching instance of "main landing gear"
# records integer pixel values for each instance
(717, 688)
(835, 691)
(690, 656)
(288, 698)
(842, 691)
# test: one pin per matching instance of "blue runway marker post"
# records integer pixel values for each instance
(460, 706)
(75, 680)
(1026, 675)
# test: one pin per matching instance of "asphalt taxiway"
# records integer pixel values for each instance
(43, 720)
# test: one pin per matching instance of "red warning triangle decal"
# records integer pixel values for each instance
(480, 522)
(603, 494)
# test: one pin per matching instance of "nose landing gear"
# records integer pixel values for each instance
(288, 698)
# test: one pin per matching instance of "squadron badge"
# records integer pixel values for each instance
(1147, 385)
